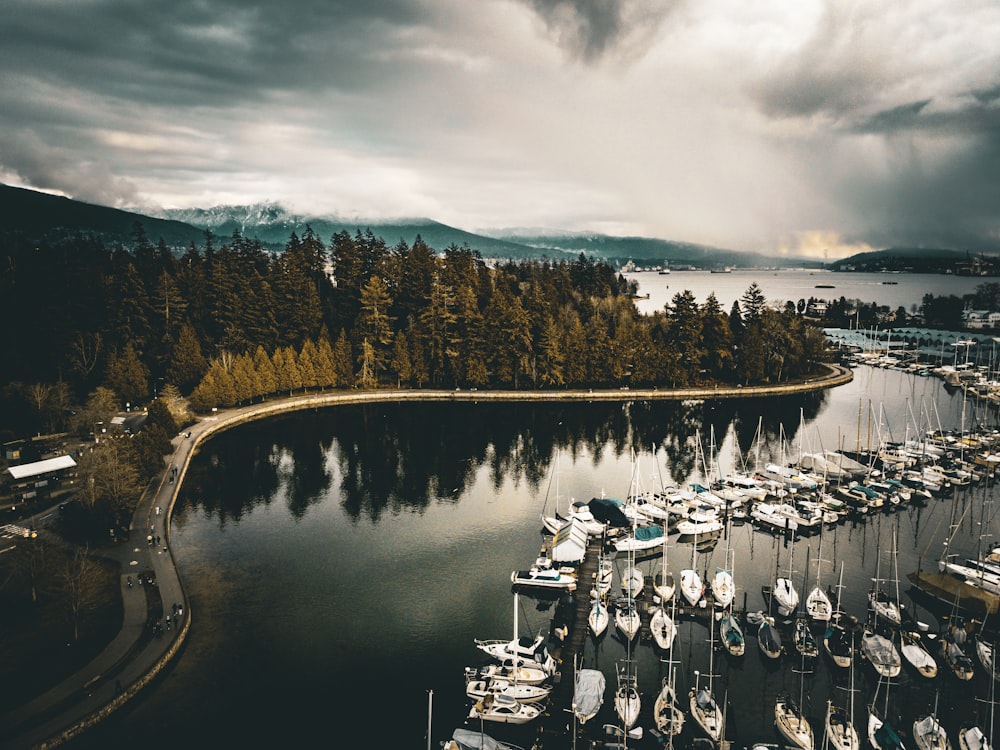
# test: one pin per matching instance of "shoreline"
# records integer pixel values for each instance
(123, 670)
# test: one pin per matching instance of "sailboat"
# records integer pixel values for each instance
(790, 720)
(723, 587)
(840, 729)
(628, 702)
(627, 618)
(731, 633)
(972, 737)
(588, 694)
(916, 654)
(928, 734)
(663, 582)
(692, 587)
(704, 708)
(837, 641)
(880, 732)
(784, 593)
(663, 627)
(668, 715)
(884, 605)
(818, 604)
(525, 651)
(598, 617)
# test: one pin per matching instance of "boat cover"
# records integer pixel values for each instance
(589, 693)
(648, 533)
(609, 510)
(466, 739)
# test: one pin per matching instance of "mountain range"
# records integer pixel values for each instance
(32, 216)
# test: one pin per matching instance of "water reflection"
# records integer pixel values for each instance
(383, 458)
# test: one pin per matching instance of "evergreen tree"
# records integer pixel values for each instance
(187, 364)
(127, 375)
(401, 359)
(343, 363)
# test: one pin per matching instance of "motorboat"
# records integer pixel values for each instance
(543, 575)
(525, 675)
(504, 710)
(479, 687)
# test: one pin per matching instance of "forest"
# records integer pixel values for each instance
(231, 322)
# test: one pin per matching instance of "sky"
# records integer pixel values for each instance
(806, 127)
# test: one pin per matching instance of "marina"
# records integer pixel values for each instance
(421, 626)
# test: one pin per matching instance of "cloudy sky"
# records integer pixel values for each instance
(798, 126)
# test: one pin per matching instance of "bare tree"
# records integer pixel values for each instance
(79, 579)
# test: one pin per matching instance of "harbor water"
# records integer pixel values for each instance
(341, 562)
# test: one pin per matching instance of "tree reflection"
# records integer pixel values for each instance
(403, 457)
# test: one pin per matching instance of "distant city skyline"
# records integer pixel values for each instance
(820, 128)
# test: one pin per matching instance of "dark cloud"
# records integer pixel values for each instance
(588, 29)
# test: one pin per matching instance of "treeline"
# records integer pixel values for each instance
(230, 322)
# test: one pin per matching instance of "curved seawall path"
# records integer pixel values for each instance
(135, 657)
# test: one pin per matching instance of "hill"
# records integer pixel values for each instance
(920, 260)
(30, 215)
(645, 251)
(273, 225)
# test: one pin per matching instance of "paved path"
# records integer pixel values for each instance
(136, 655)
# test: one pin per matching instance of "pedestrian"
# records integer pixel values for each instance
(157, 510)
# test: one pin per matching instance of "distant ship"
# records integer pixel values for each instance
(725, 269)
(825, 286)
(664, 271)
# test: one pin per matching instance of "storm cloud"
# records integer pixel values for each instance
(744, 125)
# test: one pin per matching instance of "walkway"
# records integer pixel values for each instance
(136, 655)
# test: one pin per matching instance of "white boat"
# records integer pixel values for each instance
(663, 582)
(628, 702)
(598, 617)
(973, 738)
(785, 596)
(478, 687)
(916, 654)
(588, 694)
(818, 604)
(633, 581)
(668, 715)
(468, 739)
(881, 653)
(886, 606)
(543, 575)
(627, 619)
(692, 588)
(520, 650)
(704, 708)
(839, 724)
(767, 514)
(641, 538)
(792, 724)
(928, 734)
(723, 588)
(527, 675)
(699, 529)
(504, 710)
(663, 628)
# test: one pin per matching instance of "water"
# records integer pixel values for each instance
(902, 290)
(341, 562)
